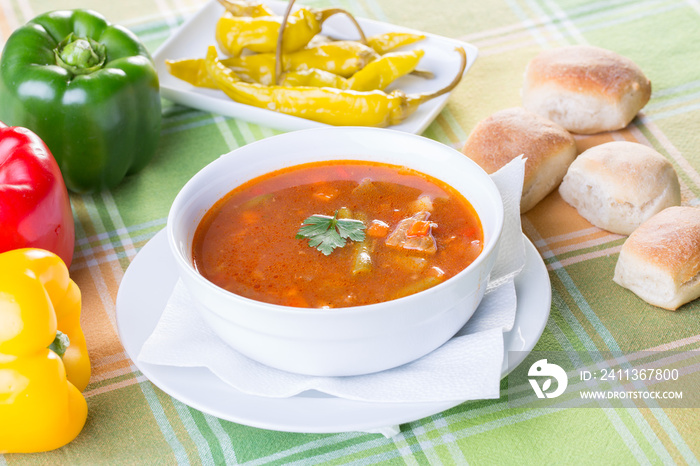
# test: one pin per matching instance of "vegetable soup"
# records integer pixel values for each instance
(337, 234)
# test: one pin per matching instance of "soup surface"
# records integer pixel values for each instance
(417, 232)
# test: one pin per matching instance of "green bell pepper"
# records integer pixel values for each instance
(89, 89)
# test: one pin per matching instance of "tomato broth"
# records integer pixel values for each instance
(418, 232)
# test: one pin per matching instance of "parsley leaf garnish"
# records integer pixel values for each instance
(326, 233)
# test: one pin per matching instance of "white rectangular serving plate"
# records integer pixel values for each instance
(193, 38)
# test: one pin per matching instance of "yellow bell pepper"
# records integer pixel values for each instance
(41, 404)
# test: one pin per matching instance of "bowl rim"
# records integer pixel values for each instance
(187, 265)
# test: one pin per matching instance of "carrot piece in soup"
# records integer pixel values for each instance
(419, 228)
(377, 229)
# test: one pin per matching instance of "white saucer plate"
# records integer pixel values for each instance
(193, 38)
(144, 293)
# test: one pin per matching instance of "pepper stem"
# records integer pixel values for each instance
(280, 43)
(328, 12)
(60, 343)
(80, 55)
(424, 97)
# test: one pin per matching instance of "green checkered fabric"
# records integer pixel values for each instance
(131, 421)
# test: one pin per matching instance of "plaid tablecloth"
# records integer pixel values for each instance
(131, 421)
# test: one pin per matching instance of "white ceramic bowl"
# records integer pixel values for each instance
(352, 340)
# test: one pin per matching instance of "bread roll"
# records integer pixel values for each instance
(506, 134)
(618, 185)
(660, 261)
(585, 89)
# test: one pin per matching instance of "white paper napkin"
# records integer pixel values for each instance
(467, 367)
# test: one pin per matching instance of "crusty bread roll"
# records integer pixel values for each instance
(585, 89)
(618, 185)
(660, 261)
(508, 133)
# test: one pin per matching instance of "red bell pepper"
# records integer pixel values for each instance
(35, 209)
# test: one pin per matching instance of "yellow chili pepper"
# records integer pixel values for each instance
(385, 70)
(343, 58)
(41, 406)
(383, 43)
(377, 75)
(326, 105)
(313, 78)
(193, 71)
(235, 33)
(260, 34)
